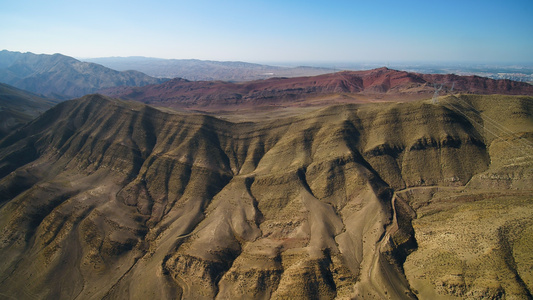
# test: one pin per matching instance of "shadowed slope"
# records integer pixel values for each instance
(18, 107)
(109, 199)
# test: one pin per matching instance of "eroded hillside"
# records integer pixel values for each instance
(109, 199)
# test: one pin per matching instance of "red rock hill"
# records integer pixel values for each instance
(347, 86)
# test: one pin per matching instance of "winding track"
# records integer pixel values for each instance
(390, 229)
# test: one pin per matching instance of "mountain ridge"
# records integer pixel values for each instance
(105, 198)
(381, 84)
(205, 70)
(62, 77)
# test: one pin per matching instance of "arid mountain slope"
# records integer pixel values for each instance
(327, 89)
(18, 107)
(63, 77)
(117, 200)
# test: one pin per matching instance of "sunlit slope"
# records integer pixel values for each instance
(109, 199)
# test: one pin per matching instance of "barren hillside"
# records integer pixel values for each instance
(343, 87)
(107, 199)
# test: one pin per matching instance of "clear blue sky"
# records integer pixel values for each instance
(274, 30)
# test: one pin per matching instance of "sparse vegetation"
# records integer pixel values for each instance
(386, 200)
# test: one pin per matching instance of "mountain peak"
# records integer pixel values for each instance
(63, 76)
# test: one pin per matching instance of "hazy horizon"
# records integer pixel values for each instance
(274, 31)
(317, 63)
(349, 64)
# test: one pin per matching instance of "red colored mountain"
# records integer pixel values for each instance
(347, 86)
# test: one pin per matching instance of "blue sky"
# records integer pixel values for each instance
(274, 30)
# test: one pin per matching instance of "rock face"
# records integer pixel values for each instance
(105, 199)
(342, 87)
(63, 77)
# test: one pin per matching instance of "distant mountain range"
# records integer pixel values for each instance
(207, 70)
(63, 77)
(344, 87)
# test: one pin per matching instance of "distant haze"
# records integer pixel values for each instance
(243, 71)
(274, 31)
